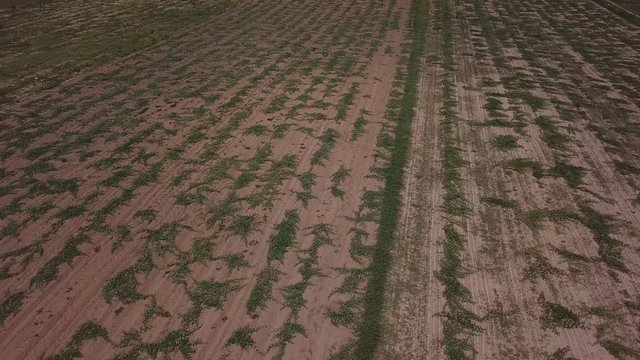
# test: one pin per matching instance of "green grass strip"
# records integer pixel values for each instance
(369, 331)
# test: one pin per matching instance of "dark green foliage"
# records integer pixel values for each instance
(49, 271)
(535, 102)
(123, 234)
(346, 102)
(124, 287)
(38, 211)
(505, 142)
(12, 208)
(286, 333)
(328, 139)
(87, 331)
(369, 330)
(263, 289)
(337, 179)
(558, 316)
(521, 165)
(570, 255)
(307, 180)
(551, 136)
(345, 314)
(147, 215)
(235, 261)
(358, 128)
(283, 236)
(277, 104)
(619, 350)
(243, 226)
(561, 354)
(244, 179)
(163, 239)
(10, 305)
(55, 186)
(571, 174)
(505, 203)
(626, 168)
(118, 176)
(10, 230)
(538, 266)
(152, 310)
(211, 294)
(256, 130)
(601, 225)
(188, 198)
(242, 337)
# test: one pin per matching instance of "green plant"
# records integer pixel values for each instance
(561, 354)
(328, 140)
(286, 333)
(337, 179)
(10, 305)
(505, 203)
(235, 261)
(369, 330)
(570, 173)
(147, 215)
(283, 236)
(49, 271)
(277, 104)
(124, 287)
(551, 136)
(256, 130)
(626, 168)
(538, 265)
(262, 291)
(346, 102)
(345, 314)
(535, 102)
(619, 350)
(211, 294)
(555, 315)
(358, 128)
(243, 225)
(87, 331)
(152, 310)
(505, 142)
(521, 165)
(242, 337)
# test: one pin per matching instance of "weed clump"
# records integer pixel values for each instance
(263, 289)
(505, 142)
(557, 316)
(504, 203)
(242, 337)
(284, 236)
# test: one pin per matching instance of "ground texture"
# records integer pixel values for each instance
(213, 196)
(519, 235)
(223, 180)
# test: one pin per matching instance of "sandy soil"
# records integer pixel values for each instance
(217, 195)
(142, 201)
(514, 269)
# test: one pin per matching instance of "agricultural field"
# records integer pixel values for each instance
(519, 236)
(297, 179)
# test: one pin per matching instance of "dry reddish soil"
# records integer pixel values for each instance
(539, 102)
(217, 195)
(212, 197)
